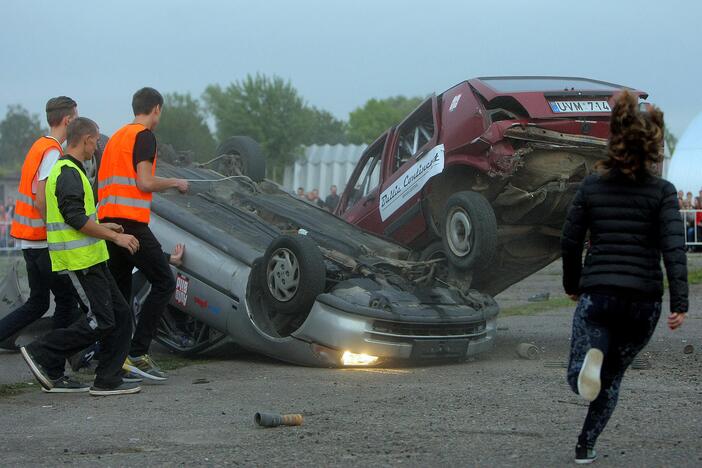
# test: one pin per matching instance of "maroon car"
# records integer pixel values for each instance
(483, 174)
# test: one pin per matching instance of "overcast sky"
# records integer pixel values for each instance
(340, 53)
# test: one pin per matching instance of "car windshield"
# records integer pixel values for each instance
(530, 84)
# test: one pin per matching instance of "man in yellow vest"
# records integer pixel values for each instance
(77, 249)
(29, 228)
(126, 181)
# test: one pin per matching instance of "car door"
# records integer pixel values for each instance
(409, 164)
(359, 203)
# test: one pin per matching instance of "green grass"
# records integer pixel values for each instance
(531, 308)
(9, 390)
(536, 307)
(693, 277)
(172, 362)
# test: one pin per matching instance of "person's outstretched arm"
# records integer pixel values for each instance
(572, 240)
(672, 245)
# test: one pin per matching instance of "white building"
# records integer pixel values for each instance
(685, 169)
(321, 167)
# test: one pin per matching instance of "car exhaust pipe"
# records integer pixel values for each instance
(275, 420)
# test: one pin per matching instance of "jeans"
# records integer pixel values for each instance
(149, 259)
(619, 327)
(42, 281)
(108, 319)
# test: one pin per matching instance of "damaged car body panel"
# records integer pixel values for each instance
(243, 239)
(512, 153)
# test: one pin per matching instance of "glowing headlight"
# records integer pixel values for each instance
(353, 359)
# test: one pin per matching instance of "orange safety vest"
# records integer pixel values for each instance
(118, 194)
(27, 222)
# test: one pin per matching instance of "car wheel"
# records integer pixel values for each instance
(185, 335)
(435, 251)
(294, 274)
(469, 230)
(244, 157)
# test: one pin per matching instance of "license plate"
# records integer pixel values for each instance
(579, 106)
(439, 349)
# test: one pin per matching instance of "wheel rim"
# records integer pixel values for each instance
(283, 273)
(233, 165)
(186, 334)
(460, 232)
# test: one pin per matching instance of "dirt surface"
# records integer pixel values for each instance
(497, 410)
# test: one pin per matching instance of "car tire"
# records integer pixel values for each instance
(185, 344)
(294, 274)
(469, 231)
(246, 156)
(433, 251)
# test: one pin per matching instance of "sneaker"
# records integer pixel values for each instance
(589, 383)
(37, 370)
(125, 388)
(145, 367)
(65, 384)
(130, 377)
(584, 455)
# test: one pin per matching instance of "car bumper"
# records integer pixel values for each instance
(332, 331)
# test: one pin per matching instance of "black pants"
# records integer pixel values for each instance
(150, 260)
(620, 328)
(42, 281)
(108, 319)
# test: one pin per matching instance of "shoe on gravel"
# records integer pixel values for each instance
(589, 383)
(145, 367)
(38, 371)
(130, 377)
(65, 384)
(125, 388)
(584, 455)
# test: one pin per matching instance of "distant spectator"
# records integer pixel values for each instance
(319, 201)
(332, 199)
(681, 198)
(10, 208)
(687, 203)
(694, 229)
(313, 198)
(300, 192)
(3, 226)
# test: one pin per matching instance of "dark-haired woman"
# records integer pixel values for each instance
(632, 218)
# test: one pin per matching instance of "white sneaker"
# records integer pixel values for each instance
(589, 383)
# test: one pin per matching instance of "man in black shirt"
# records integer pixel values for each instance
(332, 199)
(126, 181)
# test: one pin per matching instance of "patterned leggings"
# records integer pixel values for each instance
(620, 328)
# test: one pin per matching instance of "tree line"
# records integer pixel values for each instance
(267, 108)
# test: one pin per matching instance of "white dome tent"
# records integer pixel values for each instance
(685, 170)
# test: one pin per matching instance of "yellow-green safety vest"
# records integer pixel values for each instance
(70, 249)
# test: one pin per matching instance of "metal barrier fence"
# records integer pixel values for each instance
(7, 242)
(692, 219)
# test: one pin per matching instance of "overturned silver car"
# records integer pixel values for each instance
(284, 278)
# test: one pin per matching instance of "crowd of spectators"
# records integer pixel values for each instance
(329, 203)
(693, 219)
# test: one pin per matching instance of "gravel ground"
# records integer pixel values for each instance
(497, 410)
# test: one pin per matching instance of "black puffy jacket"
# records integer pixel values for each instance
(631, 223)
